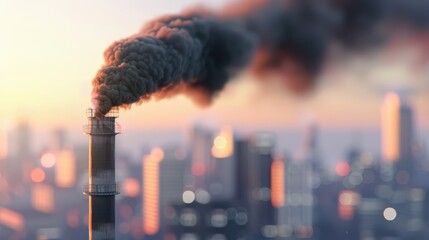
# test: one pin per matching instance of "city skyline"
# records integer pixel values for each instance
(167, 187)
(214, 120)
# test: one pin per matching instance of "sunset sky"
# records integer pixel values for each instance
(50, 51)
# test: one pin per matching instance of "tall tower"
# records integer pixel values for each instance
(397, 135)
(390, 127)
(102, 186)
(222, 167)
(300, 173)
(23, 133)
(151, 192)
(262, 212)
(406, 132)
(172, 172)
(201, 159)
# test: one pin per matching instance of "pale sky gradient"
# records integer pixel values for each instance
(50, 50)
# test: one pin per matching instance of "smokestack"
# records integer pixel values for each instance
(102, 186)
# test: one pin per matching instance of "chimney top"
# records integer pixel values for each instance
(91, 113)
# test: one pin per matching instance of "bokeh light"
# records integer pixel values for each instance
(37, 175)
(131, 187)
(220, 142)
(188, 197)
(48, 160)
(342, 169)
(223, 146)
(198, 168)
(389, 214)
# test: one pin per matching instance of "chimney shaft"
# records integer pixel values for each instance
(102, 187)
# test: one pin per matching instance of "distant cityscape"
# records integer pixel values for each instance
(225, 185)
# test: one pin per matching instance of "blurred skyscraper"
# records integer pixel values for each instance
(23, 140)
(151, 194)
(21, 160)
(406, 136)
(58, 140)
(398, 136)
(303, 175)
(262, 213)
(221, 174)
(172, 173)
(201, 143)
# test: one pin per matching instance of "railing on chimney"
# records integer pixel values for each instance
(101, 189)
(114, 112)
(104, 124)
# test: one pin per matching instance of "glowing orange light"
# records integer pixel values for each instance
(198, 168)
(348, 197)
(37, 175)
(65, 174)
(151, 193)
(277, 183)
(48, 160)
(157, 153)
(11, 219)
(42, 198)
(342, 169)
(220, 142)
(390, 127)
(223, 144)
(347, 201)
(131, 187)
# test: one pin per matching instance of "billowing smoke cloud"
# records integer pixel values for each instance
(199, 51)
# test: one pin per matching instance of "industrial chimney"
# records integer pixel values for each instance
(102, 186)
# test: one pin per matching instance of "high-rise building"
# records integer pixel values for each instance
(222, 168)
(201, 157)
(23, 140)
(21, 160)
(262, 213)
(406, 132)
(151, 193)
(302, 172)
(58, 140)
(299, 198)
(65, 169)
(242, 175)
(220, 211)
(397, 136)
(172, 173)
(397, 128)
(390, 127)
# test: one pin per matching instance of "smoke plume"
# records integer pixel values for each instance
(199, 51)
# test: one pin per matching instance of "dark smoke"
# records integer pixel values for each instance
(199, 52)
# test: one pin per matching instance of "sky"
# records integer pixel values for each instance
(50, 50)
